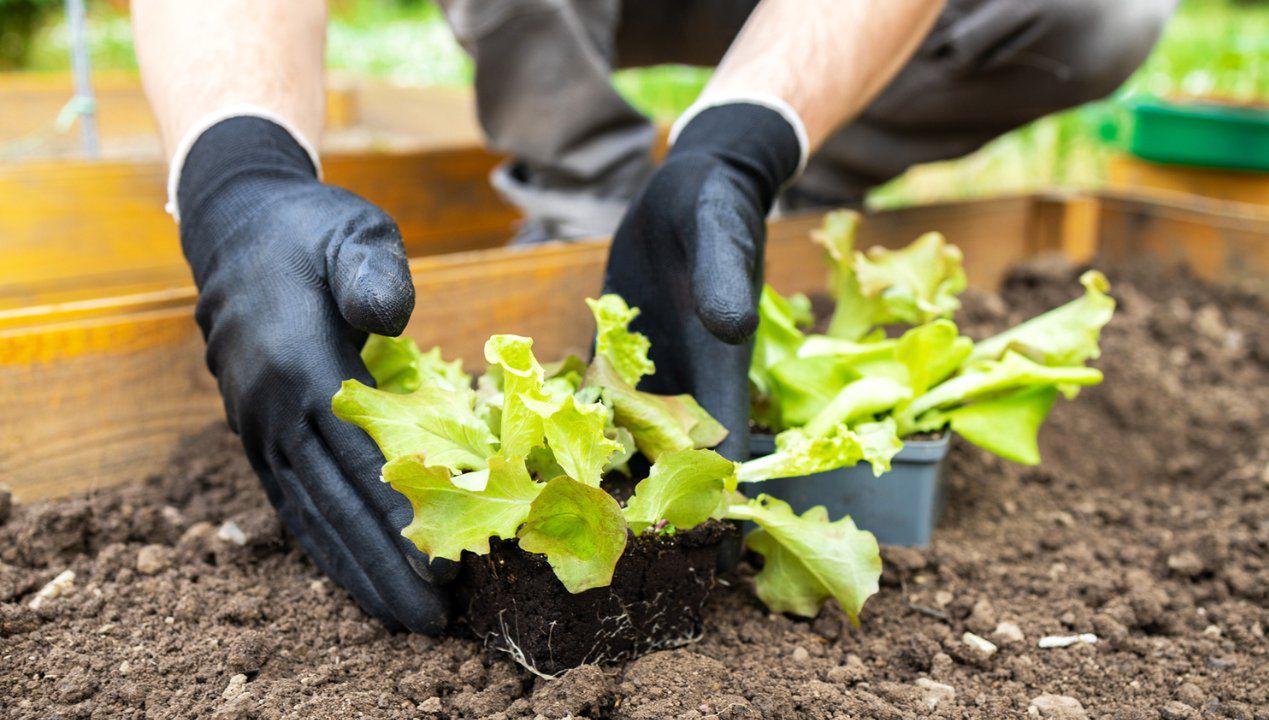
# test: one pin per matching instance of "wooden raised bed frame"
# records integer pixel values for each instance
(96, 393)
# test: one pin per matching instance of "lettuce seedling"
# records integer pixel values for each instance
(519, 453)
(853, 393)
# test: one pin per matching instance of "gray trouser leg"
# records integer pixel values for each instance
(578, 150)
(581, 152)
(987, 67)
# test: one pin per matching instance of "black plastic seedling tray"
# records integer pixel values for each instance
(901, 507)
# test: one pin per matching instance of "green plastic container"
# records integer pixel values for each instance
(1206, 134)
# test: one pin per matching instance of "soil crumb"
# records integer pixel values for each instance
(1147, 526)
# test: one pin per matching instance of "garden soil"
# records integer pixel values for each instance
(1147, 526)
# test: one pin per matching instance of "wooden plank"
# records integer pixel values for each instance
(1166, 182)
(70, 230)
(32, 102)
(97, 394)
(1066, 223)
(1219, 241)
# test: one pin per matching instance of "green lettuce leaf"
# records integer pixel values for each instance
(804, 385)
(931, 353)
(398, 366)
(853, 313)
(522, 377)
(861, 398)
(684, 487)
(627, 351)
(776, 339)
(449, 519)
(879, 442)
(807, 559)
(1008, 425)
(799, 453)
(1066, 335)
(581, 531)
(991, 377)
(575, 435)
(850, 350)
(915, 284)
(802, 311)
(433, 422)
(658, 423)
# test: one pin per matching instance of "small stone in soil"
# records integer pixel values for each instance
(981, 647)
(237, 684)
(982, 618)
(1058, 707)
(1176, 710)
(431, 705)
(800, 654)
(230, 532)
(935, 692)
(1061, 641)
(1007, 633)
(55, 588)
(154, 559)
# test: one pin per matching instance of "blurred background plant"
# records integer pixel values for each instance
(1211, 48)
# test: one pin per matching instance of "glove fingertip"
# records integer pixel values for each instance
(373, 290)
(731, 318)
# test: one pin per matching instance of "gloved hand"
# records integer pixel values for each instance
(293, 274)
(689, 254)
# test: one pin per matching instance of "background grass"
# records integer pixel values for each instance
(1210, 47)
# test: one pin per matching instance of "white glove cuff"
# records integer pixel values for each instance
(206, 122)
(771, 102)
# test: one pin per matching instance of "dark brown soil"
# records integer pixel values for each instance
(517, 605)
(1148, 525)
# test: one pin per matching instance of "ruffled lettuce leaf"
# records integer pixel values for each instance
(860, 398)
(1065, 336)
(853, 313)
(626, 351)
(449, 519)
(804, 385)
(990, 378)
(658, 423)
(398, 366)
(684, 488)
(915, 284)
(800, 453)
(1008, 425)
(580, 530)
(575, 435)
(776, 339)
(930, 353)
(522, 377)
(807, 559)
(436, 423)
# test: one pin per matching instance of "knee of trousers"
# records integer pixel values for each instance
(1099, 44)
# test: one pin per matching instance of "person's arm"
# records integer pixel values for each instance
(825, 58)
(201, 58)
(292, 275)
(689, 251)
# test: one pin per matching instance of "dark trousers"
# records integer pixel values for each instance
(580, 151)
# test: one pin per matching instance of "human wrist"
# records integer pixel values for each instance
(226, 142)
(749, 135)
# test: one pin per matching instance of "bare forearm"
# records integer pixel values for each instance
(198, 58)
(825, 58)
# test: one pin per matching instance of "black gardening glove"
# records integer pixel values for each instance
(689, 254)
(293, 274)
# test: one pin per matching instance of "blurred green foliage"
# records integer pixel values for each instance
(1211, 47)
